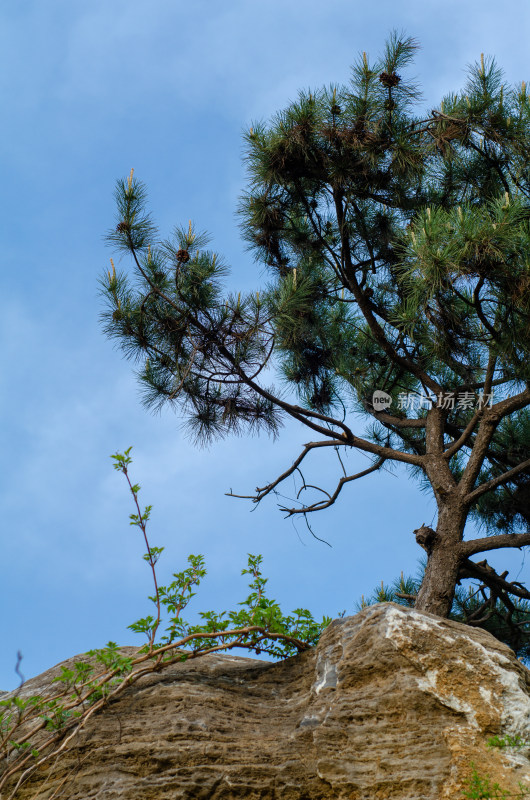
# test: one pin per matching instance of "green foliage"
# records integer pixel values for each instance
(278, 635)
(260, 623)
(481, 788)
(32, 728)
(516, 742)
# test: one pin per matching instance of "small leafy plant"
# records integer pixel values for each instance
(260, 624)
(481, 788)
(516, 742)
(35, 730)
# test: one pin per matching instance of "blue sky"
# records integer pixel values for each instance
(89, 90)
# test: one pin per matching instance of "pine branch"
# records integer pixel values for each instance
(472, 546)
(500, 480)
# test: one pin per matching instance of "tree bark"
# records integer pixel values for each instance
(438, 586)
(444, 558)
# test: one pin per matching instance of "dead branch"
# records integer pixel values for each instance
(342, 482)
(496, 583)
(265, 490)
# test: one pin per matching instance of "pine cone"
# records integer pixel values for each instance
(389, 79)
(183, 256)
(122, 226)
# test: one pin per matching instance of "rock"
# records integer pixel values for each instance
(392, 703)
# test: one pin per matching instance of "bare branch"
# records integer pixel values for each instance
(470, 427)
(510, 404)
(473, 546)
(313, 534)
(326, 503)
(311, 486)
(488, 576)
(341, 461)
(398, 422)
(470, 387)
(490, 372)
(263, 492)
(498, 481)
(466, 433)
(490, 420)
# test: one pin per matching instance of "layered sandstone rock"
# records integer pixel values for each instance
(391, 704)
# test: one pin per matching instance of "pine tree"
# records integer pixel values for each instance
(397, 244)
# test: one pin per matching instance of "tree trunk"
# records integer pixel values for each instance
(438, 586)
(441, 574)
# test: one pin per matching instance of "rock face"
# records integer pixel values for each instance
(391, 704)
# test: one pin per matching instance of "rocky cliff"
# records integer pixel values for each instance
(391, 704)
